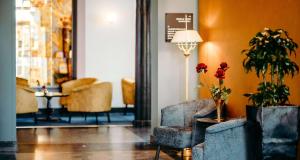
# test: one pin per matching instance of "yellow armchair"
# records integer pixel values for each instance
(94, 98)
(128, 92)
(25, 99)
(67, 88)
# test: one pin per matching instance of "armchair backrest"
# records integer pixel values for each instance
(197, 109)
(182, 114)
(67, 87)
(128, 91)
(22, 82)
(226, 141)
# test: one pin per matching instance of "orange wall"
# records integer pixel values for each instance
(227, 26)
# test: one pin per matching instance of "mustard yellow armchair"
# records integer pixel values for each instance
(94, 98)
(67, 88)
(128, 91)
(25, 99)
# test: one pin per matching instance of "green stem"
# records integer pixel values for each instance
(207, 86)
(272, 74)
(264, 77)
(221, 82)
(279, 77)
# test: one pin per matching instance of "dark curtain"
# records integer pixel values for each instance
(143, 71)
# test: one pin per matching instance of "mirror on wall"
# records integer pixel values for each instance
(44, 41)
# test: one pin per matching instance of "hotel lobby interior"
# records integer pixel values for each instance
(149, 79)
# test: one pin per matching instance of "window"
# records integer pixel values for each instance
(44, 41)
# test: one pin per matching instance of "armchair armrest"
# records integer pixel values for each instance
(226, 126)
(80, 88)
(198, 152)
(207, 112)
(68, 86)
(30, 90)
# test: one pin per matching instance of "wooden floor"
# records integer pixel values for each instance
(99, 143)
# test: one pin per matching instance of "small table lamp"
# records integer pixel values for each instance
(187, 41)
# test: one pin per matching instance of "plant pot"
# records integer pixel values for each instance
(272, 123)
(254, 136)
(251, 113)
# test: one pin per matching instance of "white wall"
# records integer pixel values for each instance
(81, 38)
(170, 70)
(171, 62)
(109, 42)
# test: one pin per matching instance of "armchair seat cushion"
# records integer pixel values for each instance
(176, 137)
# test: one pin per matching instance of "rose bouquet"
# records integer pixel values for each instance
(219, 92)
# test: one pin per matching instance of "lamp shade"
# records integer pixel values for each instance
(186, 36)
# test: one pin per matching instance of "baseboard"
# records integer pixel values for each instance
(8, 146)
(117, 110)
(113, 110)
(57, 111)
(141, 123)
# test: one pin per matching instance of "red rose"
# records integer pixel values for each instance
(201, 67)
(220, 73)
(224, 66)
(43, 87)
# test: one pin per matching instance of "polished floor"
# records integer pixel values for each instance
(94, 143)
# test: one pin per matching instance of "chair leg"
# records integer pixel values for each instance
(108, 117)
(182, 154)
(35, 118)
(70, 117)
(125, 109)
(62, 109)
(157, 152)
(96, 114)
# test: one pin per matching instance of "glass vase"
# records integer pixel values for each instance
(219, 106)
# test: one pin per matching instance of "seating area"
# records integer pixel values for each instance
(84, 97)
(149, 79)
(273, 135)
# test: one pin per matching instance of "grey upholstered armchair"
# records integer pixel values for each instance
(176, 123)
(223, 141)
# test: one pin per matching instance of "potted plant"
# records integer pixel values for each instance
(218, 92)
(269, 56)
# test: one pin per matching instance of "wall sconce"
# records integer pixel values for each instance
(111, 18)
